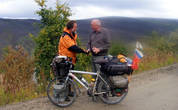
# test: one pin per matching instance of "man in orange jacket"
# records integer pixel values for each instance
(68, 44)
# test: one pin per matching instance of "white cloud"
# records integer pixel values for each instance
(80, 12)
(18, 8)
(128, 8)
(7, 7)
(169, 8)
(88, 11)
(93, 8)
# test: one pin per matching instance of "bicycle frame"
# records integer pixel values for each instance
(89, 73)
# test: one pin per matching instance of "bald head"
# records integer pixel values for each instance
(96, 24)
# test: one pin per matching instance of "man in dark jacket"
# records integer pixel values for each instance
(99, 42)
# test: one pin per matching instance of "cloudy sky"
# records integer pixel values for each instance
(82, 9)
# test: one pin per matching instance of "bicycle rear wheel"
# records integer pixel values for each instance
(107, 95)
(61, 95)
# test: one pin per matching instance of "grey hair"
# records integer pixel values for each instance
(96, 21)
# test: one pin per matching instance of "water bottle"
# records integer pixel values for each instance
(91, 85)
(84, 81)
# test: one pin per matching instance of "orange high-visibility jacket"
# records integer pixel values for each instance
(65, 42)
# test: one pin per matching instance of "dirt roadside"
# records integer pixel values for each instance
(151, 90)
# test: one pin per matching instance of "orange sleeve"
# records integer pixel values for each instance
(68, 42)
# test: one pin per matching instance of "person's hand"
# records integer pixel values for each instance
(95, 50)
(86, 51)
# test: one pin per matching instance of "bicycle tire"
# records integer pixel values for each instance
(51, 98)
(106, 99)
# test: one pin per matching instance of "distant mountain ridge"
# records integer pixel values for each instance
(13, 31)
(129, 29)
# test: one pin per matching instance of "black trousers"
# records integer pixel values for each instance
(95, 66)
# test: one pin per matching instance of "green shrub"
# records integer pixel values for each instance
(159, 51)
(118, 48)
(17, 68)
(52, 24)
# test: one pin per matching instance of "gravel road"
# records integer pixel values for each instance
(151, 90)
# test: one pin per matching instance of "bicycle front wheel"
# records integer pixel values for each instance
(61, 95)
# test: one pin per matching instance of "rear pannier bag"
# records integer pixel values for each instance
(60, 67)
(119, 81)
(113, 67)
(116, 69)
